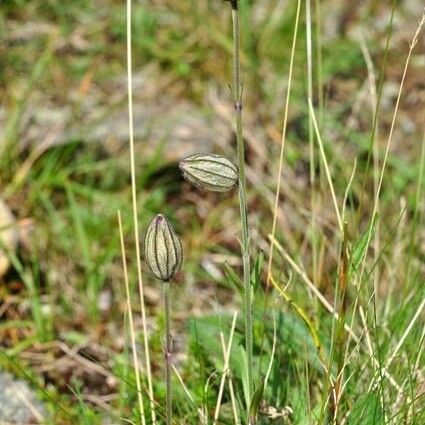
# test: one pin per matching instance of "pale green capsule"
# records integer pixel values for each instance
(211, 172)
(163, 248)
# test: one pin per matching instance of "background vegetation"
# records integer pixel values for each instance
(64, 173)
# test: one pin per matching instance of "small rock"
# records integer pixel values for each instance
(161, 119)
(8, 236)
(18, 402)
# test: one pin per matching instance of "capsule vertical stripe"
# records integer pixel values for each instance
(211, 172)
(163, 248)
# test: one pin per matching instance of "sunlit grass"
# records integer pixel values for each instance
(348, 218)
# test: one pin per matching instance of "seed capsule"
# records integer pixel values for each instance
(211, 172)
(163, 249)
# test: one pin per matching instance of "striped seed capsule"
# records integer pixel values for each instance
(163, 249)
(211, 172)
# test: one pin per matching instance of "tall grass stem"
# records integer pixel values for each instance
(237, 93)
(313, 288)
(309, 51)
(390, 135)
(131, 322)
(168, 351)
(326, 166)
(226, 368)
(283, 143)
(135, 213)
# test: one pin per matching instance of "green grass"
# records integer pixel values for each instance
(66, 285)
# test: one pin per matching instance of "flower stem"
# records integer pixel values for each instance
(168, 350)
(237, 93)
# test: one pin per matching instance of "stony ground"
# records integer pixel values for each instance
(63, 102)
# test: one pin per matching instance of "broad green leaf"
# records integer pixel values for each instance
(255, 403)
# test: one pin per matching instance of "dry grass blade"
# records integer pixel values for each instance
(269, 369)
(132, 330)
(202, 418)
(283, 142)
(310, 326)
(374, 102)
(381, 177)
(402, 340)
(328, 306)
(326, 165)
(226, 367)
(312, 160)
(233, 401)
(135, 213)
(390, 135)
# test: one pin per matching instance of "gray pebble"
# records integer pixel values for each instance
(18, 402)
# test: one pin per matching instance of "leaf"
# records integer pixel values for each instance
(244, 372)
(233, 278)
(367, 410)
(205, 332)
(236, 282)
(255, 403)
(256, 272)
(361, 246)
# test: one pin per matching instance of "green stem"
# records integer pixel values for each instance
(168, 351)
(237, 92)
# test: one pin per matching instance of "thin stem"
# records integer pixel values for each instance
(319, 66)
(135, 215)
(168, 351)
(202, 417)
(132, 328)
(237, 93)
(313, 288)
(281, 164)
(226, 368)
(309, 49)
(283, 142)
(326, 166)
